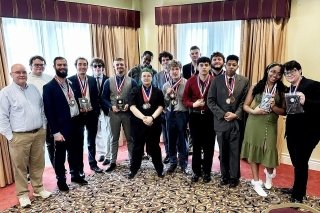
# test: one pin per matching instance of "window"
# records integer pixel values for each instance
(26, 38)
(210, 37)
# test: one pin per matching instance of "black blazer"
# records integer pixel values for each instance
(187, 72)
(93, 90)
(56, 109)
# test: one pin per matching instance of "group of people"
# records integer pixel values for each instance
(206, 96)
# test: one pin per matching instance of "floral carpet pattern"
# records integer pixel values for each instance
(146, 192)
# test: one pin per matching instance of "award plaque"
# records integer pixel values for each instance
(85, 103)
(120, 104)
(293, 104)
(146, 106)
(265, 102)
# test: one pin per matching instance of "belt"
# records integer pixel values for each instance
(202, 112)
(30, 131)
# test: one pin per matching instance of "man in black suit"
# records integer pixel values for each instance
(104, 137)
(190, 69)
(87, 96)
(62, 112)
(301, 133)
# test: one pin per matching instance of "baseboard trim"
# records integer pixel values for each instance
(313, 164)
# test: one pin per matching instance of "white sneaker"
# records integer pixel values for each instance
(269, 177)
(44, 194)
(258, 188)
(24, 201)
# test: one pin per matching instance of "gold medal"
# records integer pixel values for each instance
(146, 106)
(232, 99)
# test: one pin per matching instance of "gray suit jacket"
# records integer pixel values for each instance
(217, 95)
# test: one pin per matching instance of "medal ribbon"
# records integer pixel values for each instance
(83, 86)
(68, 90)
(267, 91)
(206, 83)
(119, 87)
(176, 85)
(230, 87)
(146, 97)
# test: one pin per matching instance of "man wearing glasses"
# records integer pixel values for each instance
(38, 78)
(104, 137)
(22, 122)
(301, 133)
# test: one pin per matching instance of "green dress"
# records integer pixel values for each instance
(260, 137)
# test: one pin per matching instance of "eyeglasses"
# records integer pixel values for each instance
(20, 72)
(39, 65)
(290, 72)
(97, 65)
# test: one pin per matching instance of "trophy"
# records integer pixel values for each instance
(85, 104)
(120, 104)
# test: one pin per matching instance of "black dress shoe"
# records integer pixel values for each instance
(111, 167)
(224, 181)
(172, 168)
(101, 158)
(166, 160)
(79, 180)
(96, 169)
(106, 162)
(161, 174)
(234, 183)
(63, 186)
(286, 190)
(131, 175)
(206, 178)
(194, 178)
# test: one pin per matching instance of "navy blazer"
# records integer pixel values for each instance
(93, 90)
(56, 109)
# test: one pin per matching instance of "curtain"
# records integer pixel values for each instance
(223, 36)
(109, 43)
(6, 172)
(167, 39)
(263, 42)
(48, 39)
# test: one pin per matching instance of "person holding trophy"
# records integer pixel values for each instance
(115, 99)
(303, 103)
(264, 103)
(87, 95)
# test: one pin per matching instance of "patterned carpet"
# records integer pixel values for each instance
(148, 193)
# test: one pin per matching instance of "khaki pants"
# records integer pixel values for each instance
(27, 151)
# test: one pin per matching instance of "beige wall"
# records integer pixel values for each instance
(302, 45)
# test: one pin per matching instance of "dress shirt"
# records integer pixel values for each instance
(21, 109)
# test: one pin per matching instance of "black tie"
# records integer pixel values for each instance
(98, 83)
(230, 81)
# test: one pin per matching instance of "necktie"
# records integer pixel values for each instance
(230, 81)
(98, 83)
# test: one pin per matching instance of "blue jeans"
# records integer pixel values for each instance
(176, 127)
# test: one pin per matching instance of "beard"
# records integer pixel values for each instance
(62, 73)
(217, 68)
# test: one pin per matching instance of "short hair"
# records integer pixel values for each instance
(165, 54)
(194, 48)
(147, 52)
(232, 58)
(80, 58)
(118, 59)
(97, 61)
(174, 63)
(217, 54)
(290, 65)
(58, 58)
(203, 59)
(146, 69)
(36, 57)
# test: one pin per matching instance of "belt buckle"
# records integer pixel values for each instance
(202, 112)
